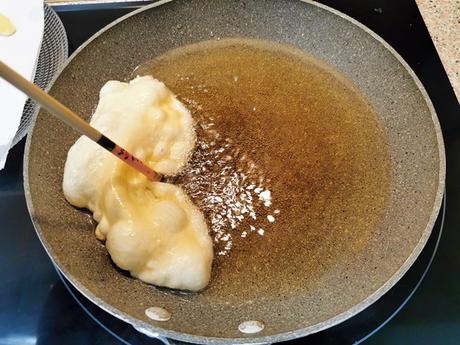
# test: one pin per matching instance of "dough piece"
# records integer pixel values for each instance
(151, 229)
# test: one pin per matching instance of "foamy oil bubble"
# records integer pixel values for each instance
(223, 179)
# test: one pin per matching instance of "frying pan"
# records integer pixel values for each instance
(349, 282)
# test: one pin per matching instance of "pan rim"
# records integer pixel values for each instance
(151, 329)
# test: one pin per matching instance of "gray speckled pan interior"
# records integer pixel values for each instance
(411, 126)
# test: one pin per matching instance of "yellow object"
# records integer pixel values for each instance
(6, 27)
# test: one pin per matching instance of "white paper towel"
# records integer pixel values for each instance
(19, 51)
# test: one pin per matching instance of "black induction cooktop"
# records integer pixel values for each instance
(38, 307)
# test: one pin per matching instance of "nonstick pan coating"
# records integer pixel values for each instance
(351, 282)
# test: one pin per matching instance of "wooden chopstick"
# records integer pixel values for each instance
(66, 115)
